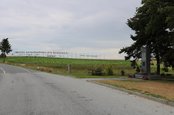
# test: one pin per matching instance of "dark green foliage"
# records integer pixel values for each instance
(134, 64)
(97, 71)
(165, 69)
(3, 55)
(137, 69)
(109, 71)
(169, 10)
(122, 73)
(168, 58)
(5, 48)
(153, 24)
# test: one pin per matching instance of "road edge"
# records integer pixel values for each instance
(163, 101)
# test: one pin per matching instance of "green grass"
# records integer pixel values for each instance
(79, 67)
(55, 61)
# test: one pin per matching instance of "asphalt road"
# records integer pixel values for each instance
(25, 92)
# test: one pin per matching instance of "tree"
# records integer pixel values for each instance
(152, 28)
(169, 10)
(5, 48)
(169, 55)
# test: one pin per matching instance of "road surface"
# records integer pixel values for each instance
(26, 92)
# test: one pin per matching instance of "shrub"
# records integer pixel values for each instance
(3, 55)
(137, 69)
(109, 71)
(165, 69)
(97, 71)
(122, 73)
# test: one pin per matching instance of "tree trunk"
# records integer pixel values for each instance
(158, 63)
(3, 55)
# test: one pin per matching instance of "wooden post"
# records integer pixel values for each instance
(69, 68)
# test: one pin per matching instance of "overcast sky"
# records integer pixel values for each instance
(93, 26)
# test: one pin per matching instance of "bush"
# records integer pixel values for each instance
(3, 55)
(165, 69)
(109, 71)
(137, 70)
(122, 73)
(97, 71)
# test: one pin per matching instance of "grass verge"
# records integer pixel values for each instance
(158, 89)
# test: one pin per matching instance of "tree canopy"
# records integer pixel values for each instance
(5, 47)
(153, 24)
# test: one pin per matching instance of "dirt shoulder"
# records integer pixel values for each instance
(162, 91)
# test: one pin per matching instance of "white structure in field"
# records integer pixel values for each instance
(56, 54)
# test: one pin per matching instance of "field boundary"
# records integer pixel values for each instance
(160, 100)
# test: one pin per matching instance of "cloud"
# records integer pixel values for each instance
(66, 24)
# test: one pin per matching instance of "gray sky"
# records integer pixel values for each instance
(91, 26)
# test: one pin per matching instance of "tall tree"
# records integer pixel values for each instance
(169, 10)
(169, 55)
(151, 28)
(5, 48)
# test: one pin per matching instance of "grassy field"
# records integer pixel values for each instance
(55, 61)
(159, 89)
(79, 67)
